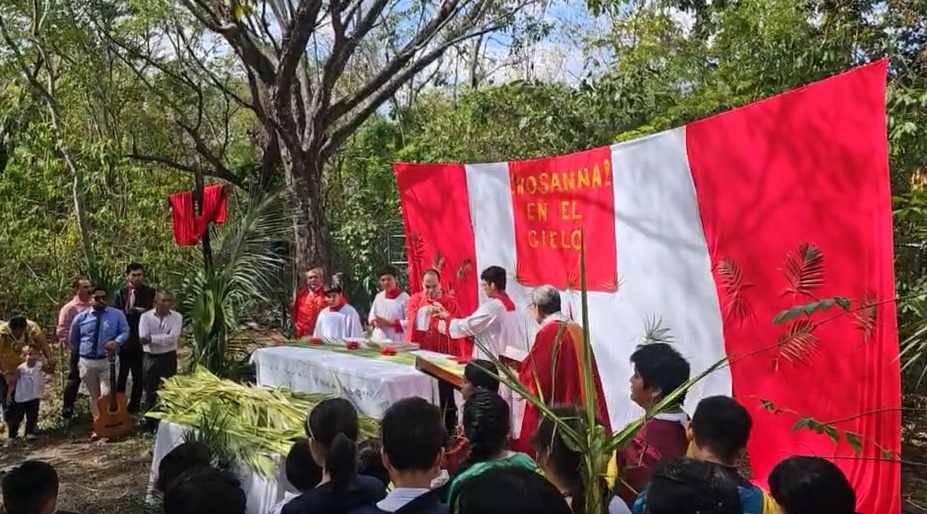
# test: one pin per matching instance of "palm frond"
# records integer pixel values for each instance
(734, 285)
(798, 342)
(866, 317)
(804, 270)
(655, 332)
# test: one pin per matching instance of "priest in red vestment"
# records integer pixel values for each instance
(310, 300)
(423, 325)
(562, 383)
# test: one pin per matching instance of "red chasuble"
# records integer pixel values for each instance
(562, 387)
(306, 310)
(432, 339)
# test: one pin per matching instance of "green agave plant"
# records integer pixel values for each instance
(585, 435)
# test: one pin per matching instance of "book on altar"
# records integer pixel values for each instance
(513, 356)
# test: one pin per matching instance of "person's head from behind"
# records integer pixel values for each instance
(486, 425)
(492, 280)
(720, 429)
(478, 374)
(803, 485)
(205, 490)
(413, 436)
(186, 456)
(560, 463)
(691, 486)
(135, 274)
(333, 429)
(18, 324)
(509, 490)
(387, 278)
(333, 294)
(30, 488)
(658, 371)
(302, 471)
(370, 460)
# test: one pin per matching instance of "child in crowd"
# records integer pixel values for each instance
(658, 371)
(690, 486)
(25, 396)
(333, 430)
(509, 490)
(562, 465)
(183, 458)
(339, 320)
(478, 374)
(205, 490)
(302, 473)
(487, 425)
(413, 436)
(31, 488)
(719, 431)
(370, 461)
(811, 484)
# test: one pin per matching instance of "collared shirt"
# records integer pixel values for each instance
(399, 497)
(114, 327)
(162, 332)
(13, 346)
(66, 317)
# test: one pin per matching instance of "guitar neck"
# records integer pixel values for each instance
(112, 384)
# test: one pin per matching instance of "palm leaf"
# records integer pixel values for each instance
(655, 332)
(798, 341)
(734, 285)
(804, 270)
(866, 317)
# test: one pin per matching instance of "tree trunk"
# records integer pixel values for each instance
(304, 183)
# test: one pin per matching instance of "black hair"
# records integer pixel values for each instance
(18, 320)
(98, 287)
(388, 270)
(661, 366)
(811, 484)
(432, 271)
(302, 472)
(370, 460)
(486, 424)
(205, 490)
(134, 266)
(332, 289)
(494, 275)
(690, 486)
(333, 425)
(723, 426)
(566, 462)
(509, 490)
(184, 457)
(413, 434)
(76, 283)
(475, 372)
(29, 487)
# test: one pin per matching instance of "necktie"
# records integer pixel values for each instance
(131, 298)
(96, 333)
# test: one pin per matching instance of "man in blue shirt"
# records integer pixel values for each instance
(97, 334)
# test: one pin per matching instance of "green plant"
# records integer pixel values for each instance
(246, 260)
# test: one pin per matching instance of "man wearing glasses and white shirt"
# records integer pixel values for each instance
(158, 331)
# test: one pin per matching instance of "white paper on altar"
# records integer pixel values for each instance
(262, 493)
(372, 385)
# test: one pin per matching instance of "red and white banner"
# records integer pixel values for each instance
(711, 230)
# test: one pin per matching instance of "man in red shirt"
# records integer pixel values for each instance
(310, 300)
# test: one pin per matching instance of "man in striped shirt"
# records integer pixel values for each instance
(79, 303)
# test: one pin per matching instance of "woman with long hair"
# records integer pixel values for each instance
(333, 430)
(562, 465)
(487, 425)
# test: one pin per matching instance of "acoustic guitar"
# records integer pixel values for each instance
(113, 421)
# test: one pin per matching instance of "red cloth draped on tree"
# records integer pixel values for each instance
(188, 227)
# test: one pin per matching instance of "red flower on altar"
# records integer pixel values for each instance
(315, 340)
(389, 351)
(353, 345)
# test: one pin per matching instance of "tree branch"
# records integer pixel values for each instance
(155, 159)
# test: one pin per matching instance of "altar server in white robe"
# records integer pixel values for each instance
(389, 309)
(339, 320)
(494, 326)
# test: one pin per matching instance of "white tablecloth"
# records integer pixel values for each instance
(372, 385)
(263, 493)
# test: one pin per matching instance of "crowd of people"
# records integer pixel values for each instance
(135, 328)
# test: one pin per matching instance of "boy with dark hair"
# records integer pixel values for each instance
(302, 472)
(339, 320)
(389, 308)
(477, 376)
(658, 371)
(205, 490)
(413, 438)
(186, 456)
(370, 461)
(133, 299)
(689, 486)
(30, 488)
(719, 431)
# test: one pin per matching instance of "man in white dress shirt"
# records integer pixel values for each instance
(389, 309)
(339, 320)
(494, 326)
(158, 331)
